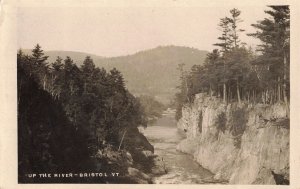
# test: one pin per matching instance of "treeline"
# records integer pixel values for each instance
(153, 109)
(234, 72)
(67, 113)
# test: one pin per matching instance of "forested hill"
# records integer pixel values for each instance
(152, 72)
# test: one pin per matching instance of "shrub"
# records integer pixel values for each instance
(221, 122)
(238, 125)
(200, 122)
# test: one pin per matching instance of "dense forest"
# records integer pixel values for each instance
(234, 72)
(66, 114)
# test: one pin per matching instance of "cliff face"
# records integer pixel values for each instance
(243, 144)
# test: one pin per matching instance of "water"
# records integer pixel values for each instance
(182, 169)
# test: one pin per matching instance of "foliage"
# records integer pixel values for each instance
(182, 96)
(47, 141)
(234, 73)
(238, 125)
(152, 108)
(67, 112)
(221, 122)
(273, 65)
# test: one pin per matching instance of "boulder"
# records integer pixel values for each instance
(138, 176)
(159, 167)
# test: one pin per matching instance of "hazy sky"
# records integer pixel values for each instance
(118, 31)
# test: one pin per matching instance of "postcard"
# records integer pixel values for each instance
(184, 93)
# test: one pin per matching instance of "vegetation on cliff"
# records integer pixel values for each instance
(234, 72)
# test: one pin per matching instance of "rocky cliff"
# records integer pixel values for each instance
(239, 143)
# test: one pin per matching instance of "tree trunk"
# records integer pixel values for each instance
(238, 91)
(284, 84)
(224, 92)
(44, 82)
(187, 90)
(284, 77)
(271, 97)
(267, 96)
(229, 94)
(248, 96)
(278, 90)
(224, 84)
(122, 140)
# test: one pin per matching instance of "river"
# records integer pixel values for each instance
(181, 168)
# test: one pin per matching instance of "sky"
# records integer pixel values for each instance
(117, 31)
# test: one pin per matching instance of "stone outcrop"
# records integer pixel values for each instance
(135, 139)
(240, 143)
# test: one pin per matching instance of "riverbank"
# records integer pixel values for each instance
(240, 143)
(135, 165)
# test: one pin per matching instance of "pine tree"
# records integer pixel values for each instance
(212, 63)
(58, 64)
(230, 41)
(88, 69)
(226, 44)
(56, 76)
(226, 40)
(116, 79)
(40, 65)
(274, 33)
(234, 20)
(238, 66)
(38, 56)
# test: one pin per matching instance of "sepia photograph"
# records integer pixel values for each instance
(153, 94)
